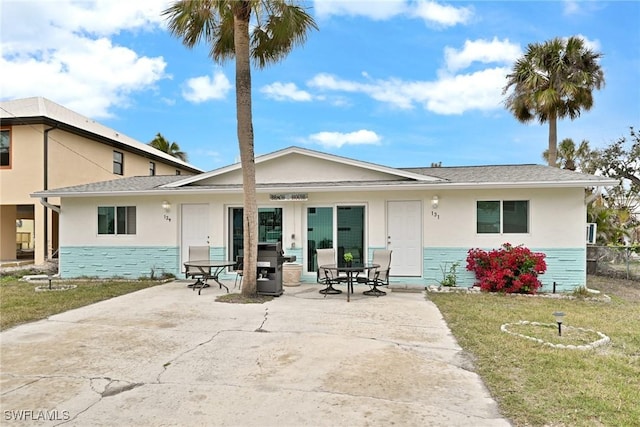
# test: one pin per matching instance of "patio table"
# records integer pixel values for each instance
(208, 269)
(355, 268)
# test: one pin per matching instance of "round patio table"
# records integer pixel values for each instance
(351, 271)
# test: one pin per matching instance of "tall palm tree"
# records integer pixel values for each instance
(227, 26)
(572, 158)
(171, 148)
(552, 81)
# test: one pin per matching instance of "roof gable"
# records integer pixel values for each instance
(298, 165)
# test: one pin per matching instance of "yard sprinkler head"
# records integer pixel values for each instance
(559, 315)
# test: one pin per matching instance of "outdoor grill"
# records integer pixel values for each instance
(269, 265)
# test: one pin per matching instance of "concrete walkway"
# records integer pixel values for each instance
(165, 356)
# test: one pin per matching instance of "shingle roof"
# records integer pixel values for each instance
(505, 174)
(130, 184)
(530, 176)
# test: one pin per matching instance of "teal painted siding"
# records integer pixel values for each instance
(130, 262)
(565, 266)
(435, 259)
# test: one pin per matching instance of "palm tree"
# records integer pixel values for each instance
(552, 81)
(171, 148)
(572, 158)
(277, 27)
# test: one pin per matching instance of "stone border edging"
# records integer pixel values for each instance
(477, 290)
(53, 288)
(603, 338)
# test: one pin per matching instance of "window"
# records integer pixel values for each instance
(5, 148)
(116, 220)
(118, 163)
(507, 216)
(152, 168)
(178, 172)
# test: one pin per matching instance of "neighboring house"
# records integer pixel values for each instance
(310, 200)
(44, 145)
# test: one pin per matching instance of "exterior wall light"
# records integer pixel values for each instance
(435, 200)
(166, 206)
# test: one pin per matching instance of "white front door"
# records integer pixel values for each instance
(194, 228)
(404, 237)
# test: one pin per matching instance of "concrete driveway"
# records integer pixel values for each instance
(165, 356)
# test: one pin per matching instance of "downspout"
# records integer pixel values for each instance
(46, 187)
(43, 202)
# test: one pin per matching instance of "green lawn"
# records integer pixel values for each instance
(20, 303)
(537, 385)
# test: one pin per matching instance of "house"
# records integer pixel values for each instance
(309, 200)
(45, 145)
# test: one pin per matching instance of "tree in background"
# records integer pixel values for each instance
(621, 160)
(227, 26)
(572, 158)
(171, 148)
(552, 81)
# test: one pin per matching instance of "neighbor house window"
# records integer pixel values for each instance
(5, 148)
(116, 220)
(502, 216)
(118, 163)
(152, 168)
(178, 172)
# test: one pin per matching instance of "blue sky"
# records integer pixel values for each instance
(398, 83)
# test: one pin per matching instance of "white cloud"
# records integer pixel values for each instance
(430, 11)
(484, 51)
(444, 15)
(451, 93)
(285, 91)
(65, 53)
(338, 139)
(376, 9)
(205, 88)
(571, 7)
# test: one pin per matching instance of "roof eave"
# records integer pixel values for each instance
(322, 187)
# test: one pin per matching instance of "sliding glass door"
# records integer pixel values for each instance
(340, 227)
(269, 228)
(319, 233)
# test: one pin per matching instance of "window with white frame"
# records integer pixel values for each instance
(502, 216)
(152, 168)
(115, 220)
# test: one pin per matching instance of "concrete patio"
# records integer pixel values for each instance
(165, 356)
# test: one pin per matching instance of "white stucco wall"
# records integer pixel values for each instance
(555, 218)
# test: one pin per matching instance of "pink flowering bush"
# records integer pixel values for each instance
(510, 269)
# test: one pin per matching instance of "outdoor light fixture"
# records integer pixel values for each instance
(166, 206)
(434, 202)
(559, 315)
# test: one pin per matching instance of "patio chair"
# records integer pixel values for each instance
(379, 276)
(196, 253)
(325, 276)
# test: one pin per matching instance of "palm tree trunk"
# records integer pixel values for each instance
(245, 142)
(553, 140)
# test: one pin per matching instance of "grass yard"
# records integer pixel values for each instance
(537, 385)
(20, 303)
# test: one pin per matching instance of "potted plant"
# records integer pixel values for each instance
(348, 258)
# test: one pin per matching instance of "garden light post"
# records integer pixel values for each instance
(559, 315)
